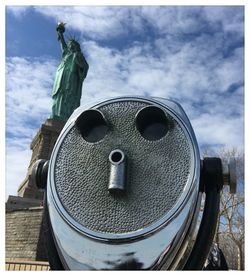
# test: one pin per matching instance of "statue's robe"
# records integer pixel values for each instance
(67, 89)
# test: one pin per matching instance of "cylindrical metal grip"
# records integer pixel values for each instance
(230, 175)
(39, 173)
(117, 177)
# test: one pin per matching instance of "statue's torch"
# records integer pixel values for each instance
(60, 28)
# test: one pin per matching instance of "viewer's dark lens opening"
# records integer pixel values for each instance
(92, 125)
(152, 123)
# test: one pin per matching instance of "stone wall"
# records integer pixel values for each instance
(24, 235)
(17, 202)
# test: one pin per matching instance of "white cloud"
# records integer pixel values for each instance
(218, 129)
(230, 70)
(99, 22)
(230, 18)
(18, 11)
(28, 89)
(174, 19)
(104, 22)
(17, 162)
(28, 85)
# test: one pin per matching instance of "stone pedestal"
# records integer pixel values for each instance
(41, 146)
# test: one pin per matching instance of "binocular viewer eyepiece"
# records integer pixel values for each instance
(123, 189)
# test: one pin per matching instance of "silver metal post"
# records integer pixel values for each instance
(229, 175)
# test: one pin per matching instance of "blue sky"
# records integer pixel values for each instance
(192, 54)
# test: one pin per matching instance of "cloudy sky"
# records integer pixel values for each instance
(191, 54)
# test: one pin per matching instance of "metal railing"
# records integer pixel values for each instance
(26, 265)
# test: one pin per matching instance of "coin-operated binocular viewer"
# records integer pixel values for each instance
(123, 189)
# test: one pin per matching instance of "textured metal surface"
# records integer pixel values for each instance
(157, 173)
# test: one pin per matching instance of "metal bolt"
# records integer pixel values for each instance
(229, 175)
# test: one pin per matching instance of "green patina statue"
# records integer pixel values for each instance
(71, 72)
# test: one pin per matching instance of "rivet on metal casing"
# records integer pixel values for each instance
(117, 177)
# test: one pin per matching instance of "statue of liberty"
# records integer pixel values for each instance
(71, 72)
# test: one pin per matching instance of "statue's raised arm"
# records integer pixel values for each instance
(60, 30)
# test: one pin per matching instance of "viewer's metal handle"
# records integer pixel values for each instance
(117, 177)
